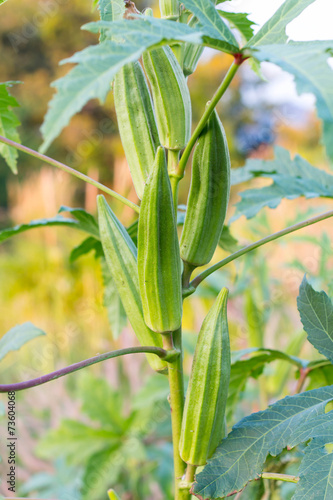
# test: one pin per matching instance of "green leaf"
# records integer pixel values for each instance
(274, 30)
(87, 246)
(5, 234)
(316, 472)
(227, 241)
(240, 21)
(98, 65)
(156, 389)
(243, 369)
(16, 337)
(291, 179)
(63, 483)
(75, 441)
(316, 311)
(8, 125)
(101, 403)
(241, 456)
(87, 222)
(217, 33)
(110, 10)
(116, 313)
(102, 470)
(146, 31)
(2, 1)
(308, 63)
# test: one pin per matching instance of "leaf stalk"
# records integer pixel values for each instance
(69, 170)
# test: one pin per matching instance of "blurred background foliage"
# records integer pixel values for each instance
(109, 427)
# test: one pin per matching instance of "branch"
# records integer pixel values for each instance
(69, 170)
(161, 353)
(198, 279)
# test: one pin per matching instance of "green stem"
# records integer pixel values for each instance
(209, 109)
(69, 170)
(176, 383)
(198, 279)
(280, 477)
(190, 473)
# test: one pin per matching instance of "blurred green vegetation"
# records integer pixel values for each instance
(66, 300)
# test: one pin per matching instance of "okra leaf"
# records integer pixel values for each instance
(87, 222)
(8, 125)
(58, 220)
(244, 369)
(146, 30)
(101, 470)
(316, 471)
(63, 482)
(16, 337)
(76, 441)
(308, 63)
(110, 10)
(115, 309)
(227, 241)
(274, 30)
(216, 33)
(240, 21)
(86, 246)
(97, 66)
(84, 222)
(316, 311)
(241, 456)
(291, 179)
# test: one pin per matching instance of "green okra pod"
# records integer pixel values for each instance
(159, 264)
(192, 52)
(121, 257)
(209, 195)
(170, 9)
(203, 424)
(171, 97)
(136, 122)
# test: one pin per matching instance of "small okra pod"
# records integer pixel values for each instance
(170, 9)
(159, 263)
(136, 122)
(192, 52)
(209, 195)
(121, 257)
(203, 424)
(171, 97)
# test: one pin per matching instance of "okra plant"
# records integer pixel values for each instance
(155, 263)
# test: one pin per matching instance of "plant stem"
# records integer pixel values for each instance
(69, 170)
(208, 111)
(176, 384)
(162, 353)
(279, 477)
(190, 473)
(198, 279)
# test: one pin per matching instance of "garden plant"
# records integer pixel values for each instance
(155, 264)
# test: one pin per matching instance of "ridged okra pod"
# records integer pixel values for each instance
(205, 403)
(159, 262)
(136, 122)
(170, 9)
(171, 97)
(192, 52)
(121, 257)
(209, 195)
